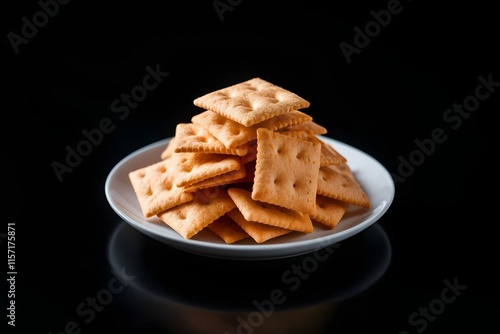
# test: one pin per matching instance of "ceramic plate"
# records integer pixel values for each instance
(372, 175)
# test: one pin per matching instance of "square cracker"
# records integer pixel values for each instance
(228, 230)
(156, 189)
(233, 134)
(310, 127)
(190, 218)
(251, 102)
(329, 156)
(338, 182)
(219, 180)
(190, 137)
(269, 214)
(169, 149)
(259, 232)
(286, 171)
(329, 211)
(195, 167)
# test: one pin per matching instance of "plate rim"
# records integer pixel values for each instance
(250, 252)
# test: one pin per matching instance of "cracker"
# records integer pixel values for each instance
(251, 102)
(228, 230)
(329, 156)
(250, 173)
(296, 133)
(259, 232)
(190, 218)
(329, 211)
(338, 182)
(191, 137)
(311, 127)
(195, 167)
(226, 178)
(156, 189)
(253, 165)
(286, 171)
(233, 134)
(251, 154)
(169, 149)
(269, 214)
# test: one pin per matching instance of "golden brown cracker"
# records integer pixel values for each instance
(329, 156)
(219, 180)
(190, 218)
(286, 171)
(259, 232)
(329, 211)
(233, 134)
(191, 137)
(228, 230)
(156, 189)
(296, 133)
(251, 102)
(269, 214)
(310, 126)
(195, 167)
(169, 149)
(338, 182)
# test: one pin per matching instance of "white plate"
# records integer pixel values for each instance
(373, 177)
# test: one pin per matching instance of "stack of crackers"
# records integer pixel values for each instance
(249, 165)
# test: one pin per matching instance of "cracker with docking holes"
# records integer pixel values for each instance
(228, 230)
(286, 171)
(195, 167)
(190, 137)
(218, 180)
(338, 182)
(310, 127)
(329, 211)
(233, 134)
(329, 156)
(251, 102)
(250, 166)
(190, 218)
(156, 189)
(169, 149)
(259, 232)
(269, 214)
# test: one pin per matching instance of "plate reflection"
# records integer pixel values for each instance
(170, 291)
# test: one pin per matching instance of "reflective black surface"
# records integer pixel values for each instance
(86, 83)
(234, 295)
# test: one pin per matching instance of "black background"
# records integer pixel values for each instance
(393, 92)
